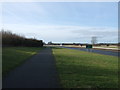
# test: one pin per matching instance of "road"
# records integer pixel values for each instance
(37, 72)
(105, 52)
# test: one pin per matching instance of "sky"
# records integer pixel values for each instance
(71, 22)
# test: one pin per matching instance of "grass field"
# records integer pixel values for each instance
(14, 56)
(79, 69)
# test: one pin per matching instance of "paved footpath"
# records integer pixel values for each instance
(37, 72)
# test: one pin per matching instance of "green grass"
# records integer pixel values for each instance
(14, 56)
(79, 69)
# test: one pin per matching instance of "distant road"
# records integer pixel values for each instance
(105, 52)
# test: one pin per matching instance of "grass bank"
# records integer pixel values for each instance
(14, 56)
(79, 69)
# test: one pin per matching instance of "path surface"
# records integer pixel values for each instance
(37, 72)
(105, 52)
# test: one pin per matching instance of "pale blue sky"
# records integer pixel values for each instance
(63, 21)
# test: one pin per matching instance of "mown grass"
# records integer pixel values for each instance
(79, 69)
(14, 56)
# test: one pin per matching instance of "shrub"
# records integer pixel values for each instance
(10, 39)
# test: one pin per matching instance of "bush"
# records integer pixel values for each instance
(10, 39)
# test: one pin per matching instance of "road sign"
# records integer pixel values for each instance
(88, 46)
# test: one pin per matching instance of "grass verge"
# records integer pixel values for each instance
(79, 69)
(14, 56)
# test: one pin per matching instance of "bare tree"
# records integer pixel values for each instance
(94, 40)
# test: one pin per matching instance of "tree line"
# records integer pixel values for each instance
(11, 39)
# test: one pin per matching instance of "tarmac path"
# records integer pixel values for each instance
(37, 72)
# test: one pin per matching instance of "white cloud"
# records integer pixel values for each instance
(15, 13)
(65, 33)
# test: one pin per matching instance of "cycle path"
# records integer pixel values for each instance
(37, 72)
